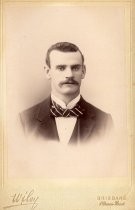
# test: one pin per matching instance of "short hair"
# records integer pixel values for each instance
(62, 47)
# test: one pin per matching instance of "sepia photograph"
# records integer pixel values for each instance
(68, 105)
(67, 86)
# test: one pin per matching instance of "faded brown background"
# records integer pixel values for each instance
(100, 32)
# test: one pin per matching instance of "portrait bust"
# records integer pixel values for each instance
(65, 116)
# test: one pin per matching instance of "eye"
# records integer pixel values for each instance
(76, 67)
(61, 67)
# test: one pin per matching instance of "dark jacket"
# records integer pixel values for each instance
(38, 121)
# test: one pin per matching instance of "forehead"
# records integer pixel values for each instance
(67, 58)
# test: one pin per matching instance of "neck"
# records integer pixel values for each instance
(66, 98)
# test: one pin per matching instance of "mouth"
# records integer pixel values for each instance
(70, 83)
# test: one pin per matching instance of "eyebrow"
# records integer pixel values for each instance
(60, 65)
(76, 65)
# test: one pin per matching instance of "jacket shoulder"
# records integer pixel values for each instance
(92, 109)
(30, 112)
(28, 117)
(101, 118)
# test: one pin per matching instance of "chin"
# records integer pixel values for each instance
(70, 92)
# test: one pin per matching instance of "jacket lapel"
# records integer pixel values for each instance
(86, 128)
(85, 124)
(83, 130)
(46, 123)
(87, 121)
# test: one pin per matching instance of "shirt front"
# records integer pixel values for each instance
(65, 125)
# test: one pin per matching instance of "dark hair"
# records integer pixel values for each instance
(63, 47)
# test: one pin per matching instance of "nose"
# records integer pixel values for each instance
(68, 72)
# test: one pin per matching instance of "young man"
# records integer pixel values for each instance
(65, 116)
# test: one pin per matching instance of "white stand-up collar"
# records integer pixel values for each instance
(70, 105)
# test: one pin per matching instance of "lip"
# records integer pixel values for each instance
(70, 83)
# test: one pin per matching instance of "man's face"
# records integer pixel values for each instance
(66, 72)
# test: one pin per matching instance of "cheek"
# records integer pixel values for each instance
(54, 75)
(79, 76)
(56, 78)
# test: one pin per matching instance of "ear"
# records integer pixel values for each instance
(47, 70)
(83, 71)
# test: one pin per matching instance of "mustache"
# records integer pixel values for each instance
(69, 81)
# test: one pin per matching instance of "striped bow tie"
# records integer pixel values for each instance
(57, 111)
